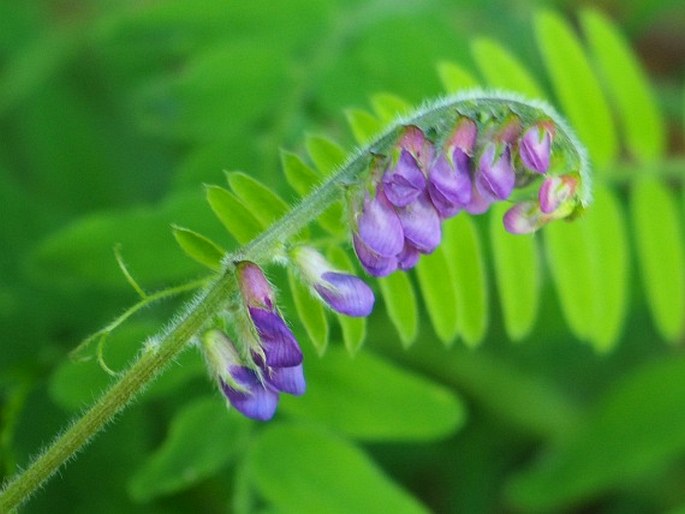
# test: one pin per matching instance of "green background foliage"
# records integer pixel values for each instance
(117, 123)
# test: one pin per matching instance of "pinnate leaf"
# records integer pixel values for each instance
(437, 288)
(364, 124)
(388, 106)
(264, 204)
(454, 78)
(310, 312)
(400, 304)
(237, 219)
(326, 154)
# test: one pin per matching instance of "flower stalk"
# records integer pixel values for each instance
(436, 118)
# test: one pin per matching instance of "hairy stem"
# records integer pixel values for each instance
(435, 119)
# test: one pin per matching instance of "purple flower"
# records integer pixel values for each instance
(555, 191)
(535, 147)
(408, 258)
(242, 386)
(373, 263)
(421, 224)
(342, 292)
(403, 182)
(524, 218)
(287, 380)
(250, 396)
(276, 340)
(379, 227)
(495, 177)
(449, 184)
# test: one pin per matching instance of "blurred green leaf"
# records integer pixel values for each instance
(326, 153)
(454, 78)
(235, 217)
(637, 428)
(365, 126)
(467, 264)
(199, 248)
(353, 329)
(262, 202)
(661, 252)
(439, 293)
(576, 87)
(400, 303)
(517, 274)
(81, 253)
(299, 176)
(628, 86)
(388, 106)
(203, 438)
(367, 397)
(502, 70)
(287, 460)
(310, 312)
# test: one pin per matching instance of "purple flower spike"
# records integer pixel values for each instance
(524, 218)
(379, 228)
(449, 186)
(374, 264)
(421, 224)
(404, 182)
(495, 177)
(287, 380)
(251, 397)
(555, 191)
(535, 147)
(279, 344)
(346, 294)
(408, 258)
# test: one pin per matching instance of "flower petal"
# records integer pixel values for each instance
(288, 380)
(379, 227)
(256, 401)
(346, 294)
(495, 177)
(535, 148)
(449, 185)
(403, 183)
(421, 224)
(524, 218)
(374, 264)
(280, 347)
(408, 257)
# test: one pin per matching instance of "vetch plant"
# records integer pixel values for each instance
(405, 207)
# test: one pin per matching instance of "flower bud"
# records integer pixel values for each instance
(403, 182)
(421, 224)
(341, 291)
(524, 218)
(495, 177)
(535, 147)
(555, 191)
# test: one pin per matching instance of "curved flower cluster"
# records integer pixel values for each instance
(267, 360)
(421, 184)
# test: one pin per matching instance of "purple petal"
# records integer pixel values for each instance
(379, 227)
(346, 294)
(374, 264)
(535, 148)
(421, 224)
(288, 380)
(408, 258)
(478, 204)
(256, 401)
(414, 141)
(495, 177)
(280, 347)
(403, 183)
(523, 218)
(449, 186)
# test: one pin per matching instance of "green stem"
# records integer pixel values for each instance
(436, 119)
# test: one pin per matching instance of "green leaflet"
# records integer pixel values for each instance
(389, 404)
(628, 85)
(203, 438)
(454, 78)
(353, 329)
(388, 106)
(576, 87)
(636, 429)
(235, 217)
(303, 470)
(502, 70)
(303, 180)
(517, 274)
(659, 240)
(400, 304)
(588, 259)
(310, 312)
(326, 154)
(299, 176)
(198, 247)
(364, 125)
(438, 290)
(264, 204)
(466, 262)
